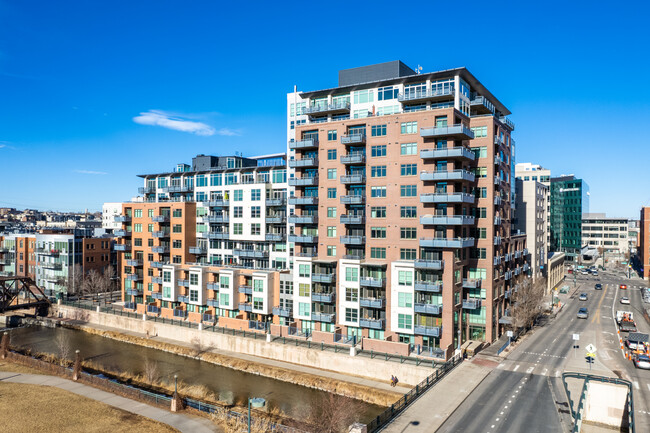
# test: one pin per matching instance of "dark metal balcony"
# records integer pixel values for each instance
(213, 302)
(372, 302)
(157, 265)
(430, 331)
(181, 314)
(160, 234)
(122, 219)
(461, 152)
(507, 294)
(160, 218)
(428, 286)
(497, 200)
(121, 233)
(458, 132)
(323, 317)
(157, 280)
(327, 298)
(454, 197)
(275, 237)
(450, 175)
(219, 203)
(353, 139)
(305, 162)
(216, 235)
(49, 266)
(447, 242)
(134, 262)
(304, 181)
(147, 190)
(351, 179)
(434, 265)
(323, 278)
(372, 323)
(245, 306)
(134, 292)
(507, 122)
(481, 105)
(275, 219)
(372, 282)
(471, 304)
(122, 247)
(353, 240)
(281, 312)
(248, 290)
(199, 251)
(305, 200)
(156, 295)
(426, 95)
(472, 283)
(213, 286)
(336, 107)
(304, 144)
(183, 283)
(216, 219)
(275, 201)
(497, 220)
(427, 308)
(498, 240)
(447, 220)
(303, 219)
(353, 199)
(160, 249)
(130, 305)
(303, 239)
(353, 219)
(252, 254)
(354, 158)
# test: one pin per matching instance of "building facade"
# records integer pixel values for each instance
(536, 173)
(569, 201)
(531, 217)
(643, 247)
(109, 212)
(607, 234)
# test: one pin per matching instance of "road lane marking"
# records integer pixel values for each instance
(515, 369)
(648, 385)
(602, 298)
(636, 384)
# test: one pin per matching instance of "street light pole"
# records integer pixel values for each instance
(249, 415)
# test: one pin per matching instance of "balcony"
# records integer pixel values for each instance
(181, 314)
(433, 265)
(247, 290)
(156, 280)
(219, 203)
(372, 323)
(497, 220)
(275, 237)
(156, 295)
(278, 201)
(447, 175)
(472, 283)
(198, 251)
(353, 240)
(337, 107)
(426, 95)
(130, 305)
(508, 294)
(252, 254)
(275, 219)
(182, 298)
(497, 260)
(160, 249)
(323, 278)
(481, 105)
(353, 199)
(507, 275)
(134, 262)
(303, 219)
(507, 122)
(160, 218)
(353, 139)
(122, 219)
(160, 234)
(303, 239)
(307, 143)
(498, 240)
(526, 267)
(447, 242)
(351, 179)
(213, 286)
(216, 219)
(372, 302)
(121, 233)
(327, 298)
(304, 181)
(183, 283)
(471, 304)
(213, 302)
(216, 235)
(498, 200)
(281, 312)
(353, 219)
(428, 286)
(305, 162)
(525, 251)
(517, 254)
(447, 220)
(323, 317)
(147, 190)
(429, 331)
(354, 158)
(507, 257)
(50, 266)
(354, 257)
(372, 282)
(208, 318)
(457, 132)
(461, 152)
(427, 308)
(245, 306)
(157, 265)
(454, 197)
(304, 200)
(497, 160)
(134, 292)
(122, 247)
(517, 271)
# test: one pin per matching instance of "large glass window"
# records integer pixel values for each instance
(408, 149)
(409, 169)
(351, 314)
(378, 171)
(386, 93)
(378, 130)
(363, 96)
(351, 274)
(377, 151)
(409, 127)
(405, 321)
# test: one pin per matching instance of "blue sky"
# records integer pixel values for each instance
(90, 89)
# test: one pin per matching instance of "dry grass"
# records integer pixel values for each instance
(11, 367)
(240, 425)
(35, 408)
(347, 389)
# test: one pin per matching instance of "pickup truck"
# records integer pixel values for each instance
(625, 320)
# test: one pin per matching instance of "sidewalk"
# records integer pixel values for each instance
(433, 408)
(181, 422)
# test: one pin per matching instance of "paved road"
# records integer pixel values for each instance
(525, 392)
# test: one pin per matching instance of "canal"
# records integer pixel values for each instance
(227, 384)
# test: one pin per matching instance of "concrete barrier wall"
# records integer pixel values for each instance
(605, 403)
(340, 362)
(394, 347)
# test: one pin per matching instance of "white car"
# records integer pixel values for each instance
(642, 361)
(625, 300)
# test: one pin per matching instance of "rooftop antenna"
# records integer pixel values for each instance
(418, 70)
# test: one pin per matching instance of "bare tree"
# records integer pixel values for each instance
(527, 302)
(93, 283)
(151, 372)
(62, 342)
(74, 282)
(200, 347)
(333, 414)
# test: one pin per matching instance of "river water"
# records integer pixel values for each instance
(228, 384)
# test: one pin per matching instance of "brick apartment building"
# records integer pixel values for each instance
(643, 247)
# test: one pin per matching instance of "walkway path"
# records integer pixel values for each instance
(181, 422)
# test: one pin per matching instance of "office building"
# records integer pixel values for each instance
(536, 173)
(569, 201)
(109, 212)
(608, 235)
(531, 218)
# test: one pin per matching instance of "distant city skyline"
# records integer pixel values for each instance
(87, 107)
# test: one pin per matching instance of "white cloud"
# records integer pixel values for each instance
(177, 123)
(90, 172)
(2, 145)
(228, 132)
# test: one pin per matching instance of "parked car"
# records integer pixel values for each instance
(623, 287)
(583, 313)
(585, 272)
(636, 340)
(642, 361)
(583, 297)
(625, 300)
(598, 286)
(594, 273)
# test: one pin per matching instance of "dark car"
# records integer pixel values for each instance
(598, 286)
(583, 313)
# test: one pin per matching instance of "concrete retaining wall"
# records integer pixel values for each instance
(605, 403)
(340, 362)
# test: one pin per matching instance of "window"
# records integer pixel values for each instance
(405, 278)
(138, 242)
(377, 232)
(279, 176)
(224, 299)
(137, 228)
(258, 285)
(178, 213)
(408, 190)
(378, 130)
(331, 231)
(378, 171)
(238, 212)
(194, 279)
(237, 229)
(404, 321)
(331, 192)
(409, 169)
(167, 277)
(351, 274)
(256, 194)
(137, 213)
(363, 96)
(256, 211)
(408, 212)
(215, 179)
(386, 93)
(404, 300)
(304, 289)
(479, 131)
(167, 292)
(331, 212)
(256, 229)
(407, 254)
(201, 180)
(377, 253)
(331, 250)
(331, 173)
(304, 271)
(351, 294)
(150, 213)
(351, 315)
(409, 127)
(177, 243)
(377, 151)
(441, 121)
(479, 152)
(224, 281)
(258, 303)
(480, 172)
(331, 136)
(303, 309)
(378, 211)
(238, 195)
(331, 154)
(479, 212)
(408, 149)
(378, 191)
(177, 228)
(408, 233)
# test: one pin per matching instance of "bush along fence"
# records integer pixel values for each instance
(295, 337)
(134, 392)
(398, 407)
